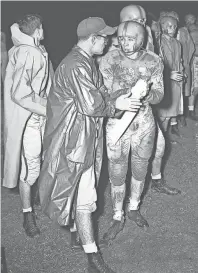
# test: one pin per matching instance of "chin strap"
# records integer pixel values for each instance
(132, 52)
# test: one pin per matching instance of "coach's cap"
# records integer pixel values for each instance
(93, 25)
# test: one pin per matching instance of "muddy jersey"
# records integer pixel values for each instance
(121, 72)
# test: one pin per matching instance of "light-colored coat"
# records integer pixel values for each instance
(27, 84)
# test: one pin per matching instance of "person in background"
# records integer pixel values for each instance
(4, 56)
(171, 52)
(190, 20)
(188, 49)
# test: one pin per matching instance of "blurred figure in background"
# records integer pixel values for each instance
(171, 52)
(4, 56)
(190, 20)
(188, 49)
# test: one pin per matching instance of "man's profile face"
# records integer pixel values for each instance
(100, 42)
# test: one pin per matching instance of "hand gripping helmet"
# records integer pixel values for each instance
(133, 13)
(131, 37)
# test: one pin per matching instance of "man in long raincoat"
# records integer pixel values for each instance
(188, 49)
(170, 50)
(73, 140)
(27, 84)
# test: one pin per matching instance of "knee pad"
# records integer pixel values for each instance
(117, 173)
(139, 168)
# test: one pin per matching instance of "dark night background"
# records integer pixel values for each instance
(61, 18)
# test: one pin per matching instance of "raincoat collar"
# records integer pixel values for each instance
(20, 38)
(82, 52)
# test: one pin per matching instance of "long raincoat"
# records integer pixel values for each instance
(73, 140)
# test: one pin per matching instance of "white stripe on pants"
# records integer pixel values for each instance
(31, 149)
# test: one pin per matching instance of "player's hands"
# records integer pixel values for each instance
(128, 103)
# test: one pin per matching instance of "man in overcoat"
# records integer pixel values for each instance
(27, 84)
(73, 140)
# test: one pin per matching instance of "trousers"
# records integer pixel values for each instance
(32, 149)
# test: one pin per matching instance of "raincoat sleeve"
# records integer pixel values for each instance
(157, 85)
(89, 99)
(22, 93)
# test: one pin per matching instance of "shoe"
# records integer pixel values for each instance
(29, 224)
(159, 185)
(175, 130)
(192, 115)
(183, 121)
(113, 231)
(96, 264)
(135, 216)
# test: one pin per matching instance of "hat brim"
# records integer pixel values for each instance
(107, 30)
